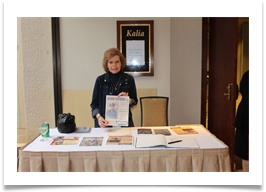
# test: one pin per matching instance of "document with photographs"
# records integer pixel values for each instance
(62, 140)
(183, 130)
(144, 131)
(91, 141)
(161, 131)
(119, 140)
(117, 110)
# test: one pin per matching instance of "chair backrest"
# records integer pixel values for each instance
(154, 111)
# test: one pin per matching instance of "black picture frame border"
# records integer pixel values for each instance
(148, 69)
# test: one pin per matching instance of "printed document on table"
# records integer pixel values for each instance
(119, 140)
(117, 110)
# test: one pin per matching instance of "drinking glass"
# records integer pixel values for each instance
(43, 131)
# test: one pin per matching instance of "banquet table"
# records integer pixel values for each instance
(40, 156)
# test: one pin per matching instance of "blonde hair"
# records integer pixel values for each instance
(108, 54)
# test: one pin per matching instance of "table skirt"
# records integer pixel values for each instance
(157, 160)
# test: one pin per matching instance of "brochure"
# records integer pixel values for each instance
(144, 131)
(119, 140)
(62, 140)
(183, 130)
(162, 131)
(91, 141)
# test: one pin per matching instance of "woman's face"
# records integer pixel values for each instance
(114, 64)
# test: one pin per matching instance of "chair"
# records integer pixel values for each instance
(154, 111)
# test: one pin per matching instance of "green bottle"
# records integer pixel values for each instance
(46, 124)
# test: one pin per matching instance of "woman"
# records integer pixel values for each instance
(113, 82)
(242, 123)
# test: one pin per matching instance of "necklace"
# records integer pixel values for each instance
(115, 86)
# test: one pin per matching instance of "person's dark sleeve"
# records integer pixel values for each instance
(133, 94)
(95, 99)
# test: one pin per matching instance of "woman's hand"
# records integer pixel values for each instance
(102, 122)
(123, 94)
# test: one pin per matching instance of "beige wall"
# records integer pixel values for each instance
(83, 42)
(177, 63)
(185, 71)
(35, 76)
(21, 123)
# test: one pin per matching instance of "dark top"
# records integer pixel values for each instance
(242, 117)
(104, 86)
(242, 120)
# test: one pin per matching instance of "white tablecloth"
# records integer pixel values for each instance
(213, 155)
(205, 140)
